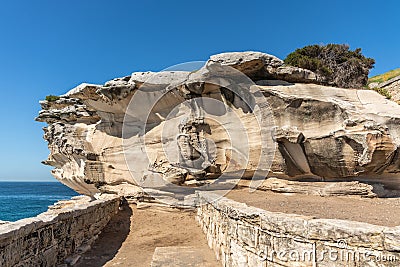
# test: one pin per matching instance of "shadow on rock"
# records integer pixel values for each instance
(110, 240)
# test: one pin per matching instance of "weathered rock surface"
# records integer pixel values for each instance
(260, 66)
(321, 132)
(335, 133)
(392, 86)
(353, 188)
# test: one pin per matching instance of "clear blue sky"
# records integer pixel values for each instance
(48, 47)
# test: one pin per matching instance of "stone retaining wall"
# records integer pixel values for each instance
(247, 236)
(57, 236)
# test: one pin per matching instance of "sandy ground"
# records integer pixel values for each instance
(132, 236)
(379, 211)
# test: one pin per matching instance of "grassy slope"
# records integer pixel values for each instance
(384, 77)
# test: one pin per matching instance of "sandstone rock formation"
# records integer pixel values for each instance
(320, 133)
(353, 188)
(260, 66)
(392, 86)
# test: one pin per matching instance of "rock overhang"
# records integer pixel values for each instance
(347, 134)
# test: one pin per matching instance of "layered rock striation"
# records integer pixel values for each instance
(100, 140)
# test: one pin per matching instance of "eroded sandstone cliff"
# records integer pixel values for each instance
(100, 142)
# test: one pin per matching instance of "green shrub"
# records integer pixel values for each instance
(335, 63)
(52, 98)
(383, 92)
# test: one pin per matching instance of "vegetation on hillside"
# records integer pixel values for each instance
(335, 63)
(384, 77)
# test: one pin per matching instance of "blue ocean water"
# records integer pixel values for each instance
(20, 200)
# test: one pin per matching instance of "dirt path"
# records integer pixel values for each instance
(379, 211)
(132, 236)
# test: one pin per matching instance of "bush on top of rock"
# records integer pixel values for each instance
(339, 65)
(52, 98)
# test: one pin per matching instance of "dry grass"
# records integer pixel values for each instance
(384, 77)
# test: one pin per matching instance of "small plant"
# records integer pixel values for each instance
(52, 98)
(383, 92)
